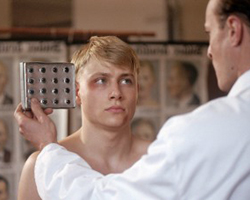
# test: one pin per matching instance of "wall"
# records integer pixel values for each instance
(5, 10)
(120, 15)
(192, 20)
(142, 15)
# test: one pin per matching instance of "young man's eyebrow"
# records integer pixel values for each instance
(99, 74)
(127, 74)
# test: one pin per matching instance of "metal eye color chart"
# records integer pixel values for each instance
(53, 84)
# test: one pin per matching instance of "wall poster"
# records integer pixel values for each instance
(173, 81)
(14, 150)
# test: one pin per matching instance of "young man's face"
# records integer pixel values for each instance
(108, 94)
(3, 191)
(220, 51)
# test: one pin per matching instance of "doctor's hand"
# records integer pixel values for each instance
(35, 125)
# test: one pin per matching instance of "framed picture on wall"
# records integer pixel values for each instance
(181, 84)
(8, 188)
(6, 141)
(149, 83)
(6, 83)
(145, 127)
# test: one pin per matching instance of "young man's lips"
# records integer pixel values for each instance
(115, 109)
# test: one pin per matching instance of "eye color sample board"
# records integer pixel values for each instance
(53, 84)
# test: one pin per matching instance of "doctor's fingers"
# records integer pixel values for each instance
(23, 120)
(19, 112)
(39, 113)
(22, 116)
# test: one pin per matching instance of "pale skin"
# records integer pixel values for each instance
(108, 97)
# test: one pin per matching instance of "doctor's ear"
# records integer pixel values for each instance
(78, 98)
(235, 26)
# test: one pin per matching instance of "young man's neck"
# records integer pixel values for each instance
(107, 151)
(109, 142)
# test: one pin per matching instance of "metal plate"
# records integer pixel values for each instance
(53, 84)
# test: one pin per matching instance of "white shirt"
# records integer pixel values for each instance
(203, 155)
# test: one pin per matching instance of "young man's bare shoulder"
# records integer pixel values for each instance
(32, 159)
(71, 142)
(27, 186)
(30, 162)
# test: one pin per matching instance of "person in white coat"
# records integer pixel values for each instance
(202, 155)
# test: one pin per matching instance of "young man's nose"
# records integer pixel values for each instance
(115, 92)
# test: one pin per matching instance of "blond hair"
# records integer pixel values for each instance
(109, 49)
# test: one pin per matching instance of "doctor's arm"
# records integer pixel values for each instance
(60, 174)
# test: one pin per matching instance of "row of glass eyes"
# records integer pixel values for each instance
(43, 80)
(54, 69)
(44, 91)
(55, 101)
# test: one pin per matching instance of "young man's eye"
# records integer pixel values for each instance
(126, 81)
(101, 81)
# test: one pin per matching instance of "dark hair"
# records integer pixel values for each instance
(237, 7)
(5, 181)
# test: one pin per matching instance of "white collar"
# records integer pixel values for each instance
(242, 83)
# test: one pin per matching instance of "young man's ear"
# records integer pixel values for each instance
(235, 27)
(78, 98)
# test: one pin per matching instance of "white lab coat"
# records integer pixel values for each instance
(203, 155)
